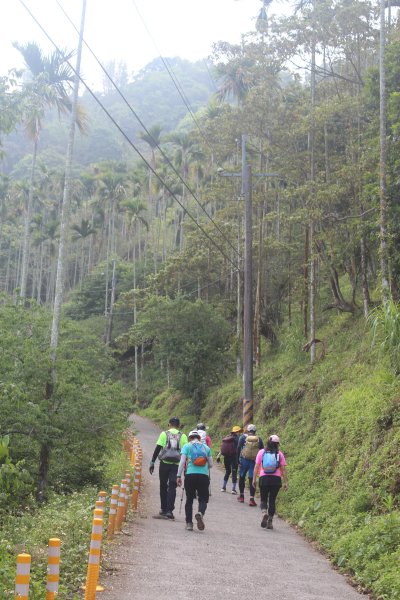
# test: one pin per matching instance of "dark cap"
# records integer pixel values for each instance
(174, 421)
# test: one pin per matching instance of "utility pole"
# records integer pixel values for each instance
(247, 175)
(248, 300)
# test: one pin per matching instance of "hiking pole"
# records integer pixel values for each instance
(183, 493)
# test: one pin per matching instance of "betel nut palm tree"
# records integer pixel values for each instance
(46, 85)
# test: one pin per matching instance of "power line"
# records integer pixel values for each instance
(167, 187)
(148, 132)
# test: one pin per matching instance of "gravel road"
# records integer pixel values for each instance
(233, 558)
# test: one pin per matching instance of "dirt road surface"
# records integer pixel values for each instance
(234, 558)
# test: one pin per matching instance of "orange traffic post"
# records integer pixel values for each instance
(53, 569)
(133, 456)
(113, 511)
(23, 576)
(127, 493)
(120, 506)
(102, 497)
(135, 490)
(93, 571)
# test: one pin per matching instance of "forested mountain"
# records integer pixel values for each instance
(152, 93)
(154, 263)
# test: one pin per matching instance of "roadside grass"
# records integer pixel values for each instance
(68, 517)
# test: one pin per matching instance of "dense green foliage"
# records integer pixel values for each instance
(86, 411)
(190, 338)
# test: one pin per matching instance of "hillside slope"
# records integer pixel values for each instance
(339, 427)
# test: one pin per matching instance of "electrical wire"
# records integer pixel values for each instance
(174, 80)
(170, 164)
(166, 186)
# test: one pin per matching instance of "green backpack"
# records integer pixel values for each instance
(251, 447)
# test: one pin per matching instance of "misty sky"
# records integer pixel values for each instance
(115, 30)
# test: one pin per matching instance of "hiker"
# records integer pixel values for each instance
(228, 451)
(271, 466)
(205, 438)
(198, 461)
(248, 447)
(168, 450)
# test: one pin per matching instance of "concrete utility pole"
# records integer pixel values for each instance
(248, 301)
(246, 175)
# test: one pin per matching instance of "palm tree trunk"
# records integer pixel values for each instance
(64, 225)
(312, 178)
(27, 224)
(383, 229)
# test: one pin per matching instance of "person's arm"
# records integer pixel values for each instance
(239, 447)
(181, 468)
(284, 477)
(156, 452)
(210, 460)
(257, 468)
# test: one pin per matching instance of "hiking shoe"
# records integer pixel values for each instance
(240, 499)
(252, 502)
(234, 492)
(264, 521)
(170, 515)
(163, 513)
(200, 522)
(269, 523)
(223, 489)
(189, 527)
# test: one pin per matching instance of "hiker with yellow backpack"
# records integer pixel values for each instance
(248, 448)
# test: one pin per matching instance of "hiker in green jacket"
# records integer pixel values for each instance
(168, 450)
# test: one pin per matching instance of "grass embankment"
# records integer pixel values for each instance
(339, 424)
(67, 517)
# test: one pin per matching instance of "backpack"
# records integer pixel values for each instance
(228, 446)
(171, 451)
(270, 461)
(198, 454)
(203, 437)
(251, 447)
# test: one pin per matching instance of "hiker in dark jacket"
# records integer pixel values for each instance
(168, 450)
(248, 447)
(229, 453)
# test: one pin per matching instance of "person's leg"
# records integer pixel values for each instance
(202, 492)
(274, 490)
(252, 488)
(242, 477)
(163, 475)
(264, 493)
(234, 474)
(228, 469)
(172, 472)
(190, 489)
